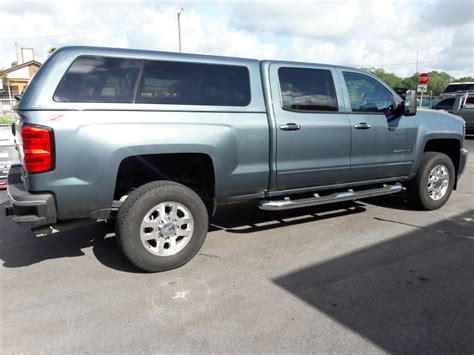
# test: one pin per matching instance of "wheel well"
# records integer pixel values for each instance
(450, 147)
(194, 170)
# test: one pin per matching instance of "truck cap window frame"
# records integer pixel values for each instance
(99, 79)
(307, 90)
(359, 94)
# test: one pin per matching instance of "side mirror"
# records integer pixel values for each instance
(410, 103)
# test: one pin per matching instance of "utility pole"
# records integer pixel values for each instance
(416, 72)
(179, 28)
(16, 52)
(416, 75)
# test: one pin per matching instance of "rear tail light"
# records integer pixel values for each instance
(38, 151)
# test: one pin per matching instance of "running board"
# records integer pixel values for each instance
(350, 195)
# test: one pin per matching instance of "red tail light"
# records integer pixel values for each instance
(37, 148)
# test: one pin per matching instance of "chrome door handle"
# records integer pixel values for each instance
(290, 127)
(362, 125)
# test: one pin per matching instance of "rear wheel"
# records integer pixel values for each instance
(161, 226)
(433, 184)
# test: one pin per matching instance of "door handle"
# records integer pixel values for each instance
(290, 127)
(362, 125)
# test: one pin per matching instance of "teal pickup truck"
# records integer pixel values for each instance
(158, 141)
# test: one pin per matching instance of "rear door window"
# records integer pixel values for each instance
(99, 79)
(469, 102)
(307, 90)
(183, 83)
(445, 104)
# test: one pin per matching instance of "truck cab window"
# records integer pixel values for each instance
(307, 90)
(366, 94)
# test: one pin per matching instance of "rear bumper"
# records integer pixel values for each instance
(462, 161)
(32, 210)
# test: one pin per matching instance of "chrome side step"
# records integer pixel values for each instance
(350, 195)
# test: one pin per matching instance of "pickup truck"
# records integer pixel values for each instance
(157, 141)
(460, 104)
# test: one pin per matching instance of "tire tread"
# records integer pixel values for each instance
(128, 207)
(416, 187)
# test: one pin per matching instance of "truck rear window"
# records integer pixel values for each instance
(183, 83)
(99, 79)
(459, 87)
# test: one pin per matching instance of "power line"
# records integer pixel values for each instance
(427, 62)
(78, 33)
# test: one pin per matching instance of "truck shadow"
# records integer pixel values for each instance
(20, 248)
(410, 294)
(248, 218)
(398, 201)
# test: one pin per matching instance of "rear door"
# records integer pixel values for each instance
(313, 136)
(382, 144)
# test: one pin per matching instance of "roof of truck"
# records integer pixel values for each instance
(142, 53)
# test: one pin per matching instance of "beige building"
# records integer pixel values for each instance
(20, 76)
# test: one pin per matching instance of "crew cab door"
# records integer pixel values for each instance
(313, 138)
(383, 144)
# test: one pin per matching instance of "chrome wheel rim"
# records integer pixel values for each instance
(167, 228)
(438, 182)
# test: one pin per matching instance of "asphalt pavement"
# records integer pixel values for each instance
(367, 277)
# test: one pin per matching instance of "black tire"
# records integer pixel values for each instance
(135, 208)
(417, 188)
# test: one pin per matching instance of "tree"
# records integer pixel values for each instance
(464, 79)
(51, 51)
(438, 81)
(391, 79)
(14, 64)
(4, 78)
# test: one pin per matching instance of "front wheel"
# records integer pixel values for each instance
(161, 226)
(431, 187)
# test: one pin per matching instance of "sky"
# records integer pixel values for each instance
(363, 33)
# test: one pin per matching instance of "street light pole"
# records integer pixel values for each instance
(179, 28)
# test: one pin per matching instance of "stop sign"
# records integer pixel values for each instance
(423, 78)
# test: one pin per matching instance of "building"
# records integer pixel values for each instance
(19, 76)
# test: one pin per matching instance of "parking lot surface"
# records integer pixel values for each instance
(365, 277)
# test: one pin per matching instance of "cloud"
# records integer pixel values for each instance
(122, 24)
(301, 18)
(448, 14)
(362, 33)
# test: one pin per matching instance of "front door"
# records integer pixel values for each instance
(313, 136)
(382, 144)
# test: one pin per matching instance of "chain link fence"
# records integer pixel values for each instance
(6, 119)
(6, 114)
(8, 155)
